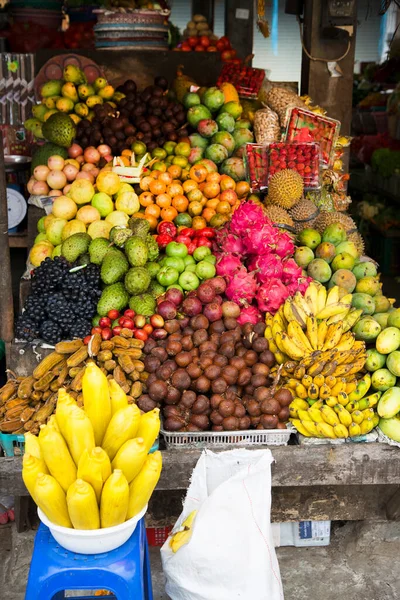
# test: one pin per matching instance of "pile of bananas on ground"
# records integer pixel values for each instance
(311, 338)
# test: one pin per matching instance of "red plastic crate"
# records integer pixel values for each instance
(156, 536)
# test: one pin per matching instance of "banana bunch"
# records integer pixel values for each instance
(337, 416)
(182, 537)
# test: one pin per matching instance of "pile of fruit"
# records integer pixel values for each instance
(198, 37)
(90, 467)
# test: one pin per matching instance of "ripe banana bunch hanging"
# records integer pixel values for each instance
(337, 416)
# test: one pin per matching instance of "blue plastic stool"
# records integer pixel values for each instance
(125, 571)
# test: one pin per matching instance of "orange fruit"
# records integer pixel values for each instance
(153, 210)
(223, 208)
(169, 214)
(218, 220)
(180, 202)
(195, 209)
(198, 173)
(145, 183)
(189, 185)
(213, 203)
(146, 198)
(139, 215)
(125, 161)
(174, 171)
(126, 152)
(155, 174)
(152, 220)
(199, 223)
(195, 195)
(175, 189)
(208, 213)
(242, 189)
(228, 196)
(185, 174)
(165, 178)
(157, 187)
(163, 200)
(213, 178)
(227, 183)
(211, 190)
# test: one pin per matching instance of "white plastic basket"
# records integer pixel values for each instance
(219, 439)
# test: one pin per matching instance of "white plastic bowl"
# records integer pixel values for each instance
(94, 541)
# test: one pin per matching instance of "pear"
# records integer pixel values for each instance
(74, 75)
(84, 91)
(100, 83)
(68, 90)
(51, 88)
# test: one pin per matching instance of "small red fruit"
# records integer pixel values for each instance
(128, 323)
(140, 334)
(105, 322)
(106, 333)
(113, 314)
(129, 313)
(140, 321)
(96, 330)
(148, 328)
(205, 41)
(200, 49)
(157, 321)
(87, 339)
(121, 321)
(186, 48)
(192, 41)
(117, 330)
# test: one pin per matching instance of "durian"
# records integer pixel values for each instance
(278, 215)
(358, 239)
(325, 218)
(304, 214)
(285, 188)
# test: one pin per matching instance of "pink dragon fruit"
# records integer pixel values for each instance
(291, 270)
(232, 244)
(228, 264)
(245, 217)
(249, 314)
(257, 239)
(271, 295)
(266, 265)
(242, 287)
(298, 285)
(284, 245)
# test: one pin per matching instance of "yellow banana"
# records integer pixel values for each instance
(369, 401)
(367, 425)
(332, 296)
(325, 430)
(299, 314)
(332, 310)
(312, 332)
(350, 387)
(356, 366)
(351, 319)
(375, 419)
(340, 431)
(301, 391)
(315, 415)
(291, 383)
(306, 380)
(277, 318)
(302, 305)
(333, 336)
(316, 368)
(346, 299)
(268, 332)
(273, 347)
(331, 401)
(329, 415)
(318, 404)
(310, 360)
(337, 318)
(362, 388)
(319, 380)
(346, 341)
(321, 298)
(299, 403)
(311, 297)
(329, 368)
(299, 337)
(368, 413)
(343, 398)
(300, 428)
(354, 430)
(322, 331)
(338, 387)
(290, 366)
(342, 370)
(276, 328)
(313, 392)
(352, 406)
(330, 354)
(330, 381)
(304, 415)
(324, 391)
(279, 343)
(280, 357)
(311, 427)
(344, 416)
(293, 412)
(299, 372)
(290, 347)
(287, 310)
(357, 416)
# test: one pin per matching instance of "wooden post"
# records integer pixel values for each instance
(239, 25)
(333, 93)
(6, 297)
(205, 8)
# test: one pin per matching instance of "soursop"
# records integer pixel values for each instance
(136, 251)
(153, 268)
(113, 267)
(137, 280)
(143, 304)
(43, 153)
(119, 235)
(152, 247)
(140, 227)
(74, 246)
(98, 248)
(59, 129)
(156, 289)
(113, 296)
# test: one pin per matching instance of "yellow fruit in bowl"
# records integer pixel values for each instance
(100, 229)
(127, 202)
(87, 214)
(64, 208)
(72, 227)
(39, 252)
(81, 191)
(108, 182)
(117, 217)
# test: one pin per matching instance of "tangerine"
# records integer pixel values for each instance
(208, 213)
(145, 183)
(152, 220)
(223, 208)
(175, 171)
(180, 202)
(153, 210)
(213, 178)
(211, 189)
(195, 209)
(165, 178)
(227, 183)
(213, 203)
(189, 185)
(146, 198)
(169, 214)
(195, 195)
(199, 223)
(157, 187)
(228, 196)
(198, 173)
(175, 189)
(163, 200)
(242, 189)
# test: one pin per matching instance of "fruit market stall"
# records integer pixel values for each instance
(195, 254)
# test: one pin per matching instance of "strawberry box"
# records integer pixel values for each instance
(306, 126)
(256, 163)
(247, 80)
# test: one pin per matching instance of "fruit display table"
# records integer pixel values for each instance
(347, 482)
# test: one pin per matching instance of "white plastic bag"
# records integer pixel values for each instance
(231, 552)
